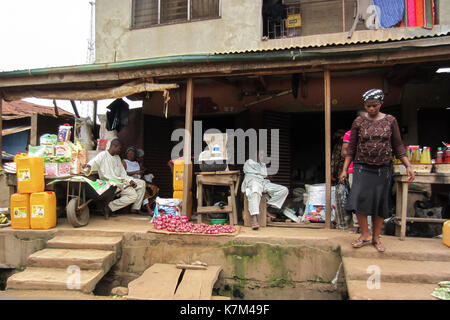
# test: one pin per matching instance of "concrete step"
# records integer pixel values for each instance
(86, 259)
(398, 271)
(359, 290)
(87, 242)
(13, 294)
(410, 249)
(54, 279)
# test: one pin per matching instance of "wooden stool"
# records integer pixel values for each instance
(262, 216)
(218, 178)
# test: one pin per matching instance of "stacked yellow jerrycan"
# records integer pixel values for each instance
(178, 176)
(29, 208)
(20, 210)
(43, 210)
(446, 233)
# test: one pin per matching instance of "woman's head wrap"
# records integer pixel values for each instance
(373, 94)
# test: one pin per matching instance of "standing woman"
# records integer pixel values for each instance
(375, 138)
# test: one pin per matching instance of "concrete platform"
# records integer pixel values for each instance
(297, 255)
(53, 279)
(80, 242)
(13, 294)
(86, 259)
(399, 271)
(358, 290)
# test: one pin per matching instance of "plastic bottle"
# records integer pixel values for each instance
(20, 210)
(439, 155)
(30, 173)
(425, 157)
(447, 154)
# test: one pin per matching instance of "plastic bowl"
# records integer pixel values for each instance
(218, 221)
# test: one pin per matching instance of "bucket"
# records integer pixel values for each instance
(20, 210)
(30, 173)
(218, 221)
(43, 210)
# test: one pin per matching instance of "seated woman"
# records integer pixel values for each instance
(134, 169)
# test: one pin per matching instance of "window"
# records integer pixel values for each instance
(148, 13)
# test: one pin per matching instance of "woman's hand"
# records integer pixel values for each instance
(411, 174)
(343, 176)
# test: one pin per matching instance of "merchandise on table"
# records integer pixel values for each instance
(43, 210)
(64, 132)
(20, 211)
(182, 225)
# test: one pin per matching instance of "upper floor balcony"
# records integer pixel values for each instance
(136, 29)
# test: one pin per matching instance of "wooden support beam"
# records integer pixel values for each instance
(94, 116)
(343, 15)
(327, 86)
(1, 124)
(34, 130)
(75, 110)
(187, 145)
(56, 108)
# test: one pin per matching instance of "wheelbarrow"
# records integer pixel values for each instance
(81, 191)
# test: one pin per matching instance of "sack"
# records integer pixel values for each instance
(167, 206)
(315, 207)
(426, 209)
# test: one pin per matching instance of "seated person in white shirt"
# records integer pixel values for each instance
(109, 166)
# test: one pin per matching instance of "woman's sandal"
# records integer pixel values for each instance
(379, 246)
(359, 243)
(255, 226)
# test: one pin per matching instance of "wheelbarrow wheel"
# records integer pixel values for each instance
(77, 218)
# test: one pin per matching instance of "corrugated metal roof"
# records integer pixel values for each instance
(341, 39)
(20, 109)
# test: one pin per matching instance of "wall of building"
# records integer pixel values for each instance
(239, 26)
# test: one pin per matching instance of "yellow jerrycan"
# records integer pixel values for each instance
(20, 210)
(178, 174)
(446, 233)
(30, 173)
(43, 210)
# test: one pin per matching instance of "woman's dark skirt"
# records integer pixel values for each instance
(371, 189)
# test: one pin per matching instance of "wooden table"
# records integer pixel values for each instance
(402, 185)
(218, 178)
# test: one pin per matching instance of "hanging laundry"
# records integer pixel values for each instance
(390, 12)
(419, 13)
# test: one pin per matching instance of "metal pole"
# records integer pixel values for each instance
(187, 145)
(327, 86)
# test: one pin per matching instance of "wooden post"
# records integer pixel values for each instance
(187, 144)
(327, 86)
(343, 15)
(94, 120)
(1, 125)
(34, 130)
(75, 110)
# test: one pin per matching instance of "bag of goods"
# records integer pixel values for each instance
(166, 206)
(37, 151)
(48, 139)
(83, 132)
(315, 207)
(64, 132)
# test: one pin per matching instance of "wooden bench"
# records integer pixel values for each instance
(262, 216)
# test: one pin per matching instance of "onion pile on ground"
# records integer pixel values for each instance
(182, 224)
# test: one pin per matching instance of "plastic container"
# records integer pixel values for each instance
(426, 156)
(179, 195)
(439, 155)
(178, 174)
(43, 210)
(30, 173)
(446, 233)
(218, 221)
(20, 210)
